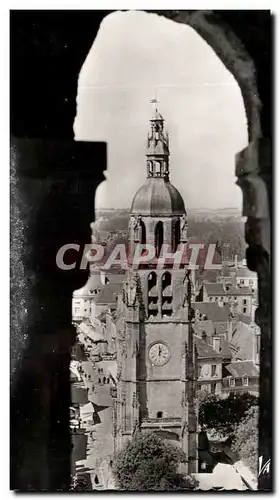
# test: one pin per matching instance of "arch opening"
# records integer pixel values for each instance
(167, 295)
(176, 236)
(152, 295)
(142, 233)
(159, 238)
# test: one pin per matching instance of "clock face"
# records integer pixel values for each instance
(159, 354)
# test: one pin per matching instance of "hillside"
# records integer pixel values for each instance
(223, 226)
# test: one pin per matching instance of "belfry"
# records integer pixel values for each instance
(155, 349)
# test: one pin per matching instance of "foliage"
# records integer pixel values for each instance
(148, 463)
(246, 440)
(223, 414)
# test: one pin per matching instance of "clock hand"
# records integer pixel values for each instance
(159, 350)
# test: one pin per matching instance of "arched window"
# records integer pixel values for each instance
(158, 238)
(167, 297)
(152, 295)
(176, 235)
(142, 233)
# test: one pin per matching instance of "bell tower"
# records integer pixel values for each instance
(155, 349)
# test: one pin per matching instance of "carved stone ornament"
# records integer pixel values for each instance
(184, 228)
(131, 291)
(135, 224)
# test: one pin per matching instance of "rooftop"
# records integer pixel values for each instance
(218, 289)
(242, 338)
(242, 369)
(244, 318)
(213, 311)
(214, 288)
(109, 294)
(205, 350)
(158, 197)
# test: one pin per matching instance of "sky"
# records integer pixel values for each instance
(136, 57)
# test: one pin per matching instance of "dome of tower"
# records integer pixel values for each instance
(158, 197)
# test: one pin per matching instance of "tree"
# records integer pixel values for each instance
(148, 463)
(246, 442)
(223, 414)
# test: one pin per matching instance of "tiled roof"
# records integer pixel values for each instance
(214, 288)
(244, 272)
(242, 338)
(227, 348)
(209, 275)
(220, 327)
(229, 271)
(108, 294)
(213, 311)
(204, 350)
(243, 368)
(218, 289)
(244, 318)
(204, 326)
(235, 290)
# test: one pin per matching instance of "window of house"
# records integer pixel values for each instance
(244, 310)
(245, 381)
(251, 282)
(231, 382)
(241, 282)
(77, 309)
(244, 301)
(235, 298)
(213, 387)
(216, 299)
(159, 414)
(213, 370)
(210, 298)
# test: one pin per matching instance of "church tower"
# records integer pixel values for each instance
(155, 349)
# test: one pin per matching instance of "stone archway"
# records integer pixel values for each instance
(252, 172)
(253, 165)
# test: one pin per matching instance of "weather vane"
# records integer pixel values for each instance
(155, 100)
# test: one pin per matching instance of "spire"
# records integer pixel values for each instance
(157, 146)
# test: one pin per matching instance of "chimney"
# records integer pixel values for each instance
(216, 343)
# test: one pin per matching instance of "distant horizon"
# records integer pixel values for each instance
(189, 208)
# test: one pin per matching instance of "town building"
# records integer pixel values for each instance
(238, 274)
(242, 376)
(240, 299)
